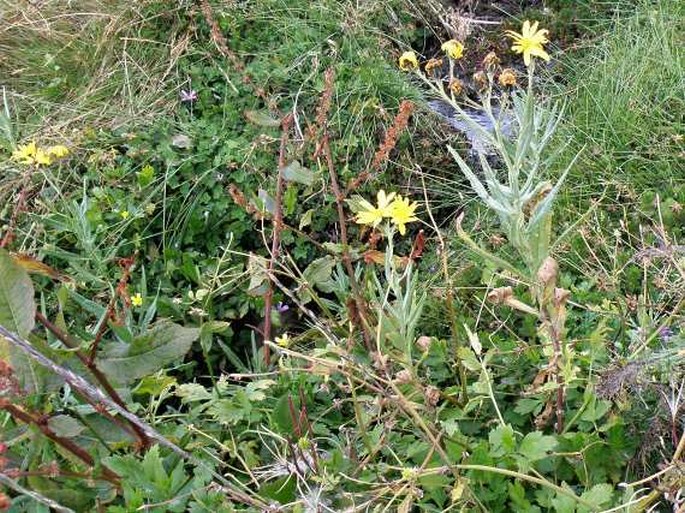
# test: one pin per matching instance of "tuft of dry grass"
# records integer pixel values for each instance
(96, 63)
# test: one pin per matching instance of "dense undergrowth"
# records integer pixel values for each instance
(241, 270)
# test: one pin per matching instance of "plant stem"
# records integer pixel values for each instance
(276, 235)
(42, 424)
(97, 373)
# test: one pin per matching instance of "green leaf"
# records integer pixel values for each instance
(599, 496)
(535, 446)
(318, 274)
(261, 118)
(17, 307)
(65, 426)
(191, 392)
(161, 345)
(295, 172)
(502, 441)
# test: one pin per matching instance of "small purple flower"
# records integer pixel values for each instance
(665, 333)
(188, 96)
(281, 307)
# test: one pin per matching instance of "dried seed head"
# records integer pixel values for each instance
(456, 87)
(424, 343)
(548, 272)
(431, 395)
(507, 78)
(481, 80)
(500, 295)
(432, 65)
(403, 377)
(491, 61)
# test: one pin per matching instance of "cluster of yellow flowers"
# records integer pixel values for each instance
(391, 206)
(31, 154)
(528, 42)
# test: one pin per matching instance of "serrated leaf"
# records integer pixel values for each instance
(599, 496)
(161, 345)
(262, 118)
(502, 441)
(296, 172)
(535, 446)
(191, 392)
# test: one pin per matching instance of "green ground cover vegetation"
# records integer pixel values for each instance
(208, 301)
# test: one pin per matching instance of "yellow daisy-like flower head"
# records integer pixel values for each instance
(453, 48)
(42, 158)
(25, 153)
(529, 42)
(373, 215)
(125, 214)
(137, 299)
(408, 61)
(402, 212)
(59, 151)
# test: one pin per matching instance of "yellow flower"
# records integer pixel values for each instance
(25, 153)
(42, 158)
(402, 212)
(529, 42)
(453, 48)
(283, 341)
(124, 214)
(371, 215)
(58, 151)
(408, 61)
(137, 299)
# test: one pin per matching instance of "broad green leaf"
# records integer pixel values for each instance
(535, 446)
(295, 172)
(65, 426)
(17, 307)
(161, 345)
(318, 273)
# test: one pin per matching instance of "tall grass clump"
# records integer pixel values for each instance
(626, 100)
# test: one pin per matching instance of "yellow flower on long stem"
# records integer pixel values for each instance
(529, 42)
(137, 299)
(408, 61)
(25, 153)
(453, 48)
(402, 212)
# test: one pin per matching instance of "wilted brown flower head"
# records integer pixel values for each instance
(456, 86)
(424, 343)
(491, 60)
(432, 65)
(481, 80)
(507, 78)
